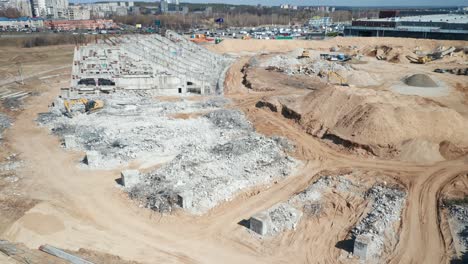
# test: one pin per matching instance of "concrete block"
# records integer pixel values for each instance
(130, 178)
(259, 223)
(185, 199)
(70, 141)
(360, 246)
(92, 158)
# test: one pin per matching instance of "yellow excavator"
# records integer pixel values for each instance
(305, 55)
(329, 74)
(90, 105)
(420, 60)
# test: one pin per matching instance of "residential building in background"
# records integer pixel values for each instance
(56, 9)
(163, 6)
(78, 13)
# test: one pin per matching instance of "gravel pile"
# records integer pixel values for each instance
(420, 80)
(207, 159)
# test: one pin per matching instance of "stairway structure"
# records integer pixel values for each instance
(167, 65)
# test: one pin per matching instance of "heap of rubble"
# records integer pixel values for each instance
(459, 213)
(386, 206)
(205, 160)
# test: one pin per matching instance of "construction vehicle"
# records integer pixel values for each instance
(90, 105)
(329, 74)
(431, 57)
(420, 60)
(200, 38)
(305, 55)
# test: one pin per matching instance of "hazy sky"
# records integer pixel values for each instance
(323, 2)
(341, 2)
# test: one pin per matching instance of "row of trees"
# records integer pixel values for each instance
(10, 12)
(240, 16)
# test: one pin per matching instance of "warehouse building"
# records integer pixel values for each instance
(445, 26)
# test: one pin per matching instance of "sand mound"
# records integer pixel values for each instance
(451, 151)
(420, 80)
(376, 122)
(363, 79)
(419, 150)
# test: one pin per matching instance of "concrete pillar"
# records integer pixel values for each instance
(360, 246)
(259, 223)
(92, 158)
(70, 141)
(185, 200)
(130, 178)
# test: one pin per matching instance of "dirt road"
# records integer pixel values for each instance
(82, 208)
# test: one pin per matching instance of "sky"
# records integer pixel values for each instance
(341, 2)
(323, 2)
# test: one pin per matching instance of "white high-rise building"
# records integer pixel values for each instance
(54, 9)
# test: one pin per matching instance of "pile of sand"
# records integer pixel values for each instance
(363, 79)
(420, 80)
(378, 122)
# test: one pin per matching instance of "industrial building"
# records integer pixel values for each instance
(319, 22)
(166, 65)
(445, 26)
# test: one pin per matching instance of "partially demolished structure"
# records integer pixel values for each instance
(167, 65)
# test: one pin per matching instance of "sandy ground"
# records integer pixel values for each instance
(83, 208)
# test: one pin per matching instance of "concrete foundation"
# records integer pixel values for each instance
(92, 158)
(130, 178)
(360, 246)
(259, 223)
(69, 141)
(185, 200)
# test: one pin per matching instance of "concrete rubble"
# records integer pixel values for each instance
(275, 220)
(289, 64)
(287, 215)
(386, 206)
(5, 123)
(205, 160)
(458, 221)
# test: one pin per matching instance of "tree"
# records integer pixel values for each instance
(10, 12)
